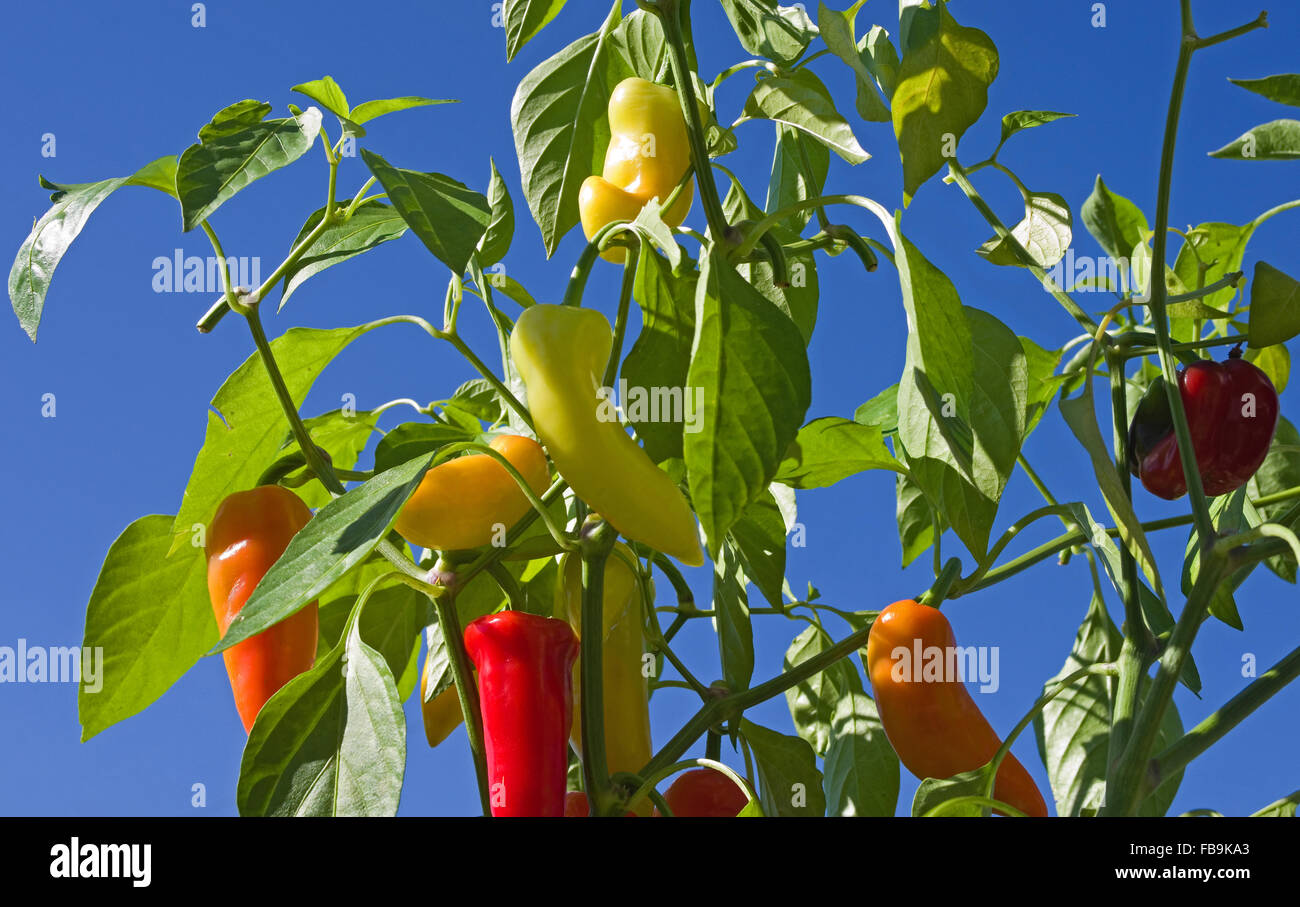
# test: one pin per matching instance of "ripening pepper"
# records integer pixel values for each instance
(462, 502)
(704, 793)
(1232, 412)
(248, 534)
(624, 687)
(932, 722)
(525, 685)
(560, 352)
(577, 807)
(442, 713)
(647, 156)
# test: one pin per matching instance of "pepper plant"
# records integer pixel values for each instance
(621, 133)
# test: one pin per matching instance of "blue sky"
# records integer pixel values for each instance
(122, 84)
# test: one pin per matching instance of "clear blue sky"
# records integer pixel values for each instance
(121, 84)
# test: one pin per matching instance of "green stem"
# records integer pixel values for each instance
(756, 232)
(935, 595)
(670, 15)
(597, 541)
(359, 198)
(620, 320)
(466, 691)
(1176, 756)
(481, 367)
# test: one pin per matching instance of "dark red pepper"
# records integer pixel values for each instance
(1232, 412)
(525, 686)
(704, 793)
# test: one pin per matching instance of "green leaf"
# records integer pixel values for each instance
(640, 39)
(1283, 88)
(789, 182)
(829, 449)
(800, 101)
(326, 93)
(1279, 471)
(963, 402)
(501, 227)
(933, 793)
(942, 90)
(732, 620)
(1282, 809)
(561, 128)
(759, 536)
(344, 434)
(410, 439)
(757, 387)
(1275, 141)
(1073, 730)
(1273, 361)
(861, 767)
(331, 742)
(236, 118)
(915, 523)
(1231, 514)
(1221, 248)
(1274, 306)
(814, 702)
(150, 616)
(837, 31)
(246, 424)
(767, 29)
(880, 411)
(1044, 232)
(1027, 119)
(449, 217)
(878, 54)
(340, 536)
(1115, 222)
(524, 20)
(44, 247)
(210, 173)
(1081, 416)
(370, 225)
(661, 356)
(369, 110)
(788, 780)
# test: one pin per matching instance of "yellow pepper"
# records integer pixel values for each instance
(560, 352)
(648, 154)
(442, 713)
(464, 502)
(625, 690)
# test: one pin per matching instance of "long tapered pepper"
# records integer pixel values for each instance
(624, 689)
(561, 352)
(930, 719)
(250, 531)
(525, 684)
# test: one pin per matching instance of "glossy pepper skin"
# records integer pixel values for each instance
(647, 155)
(934, 725)
(704, 793)
(442, 713)
(624, 686)
(459, 503)
(577, 807)
(1232, 412)
(525, 684)
(248, 534)
(560, 352)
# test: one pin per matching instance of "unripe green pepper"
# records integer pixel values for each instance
(560, 352)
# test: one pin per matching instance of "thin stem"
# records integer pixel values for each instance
(359, 198)
(596, 544)
(1196, 741)
(620, 320)
(1260, 22)
(510, 399)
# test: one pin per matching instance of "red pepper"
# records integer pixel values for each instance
(704, 793)
(525, 685)
(248, 534)
(1232, 413)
